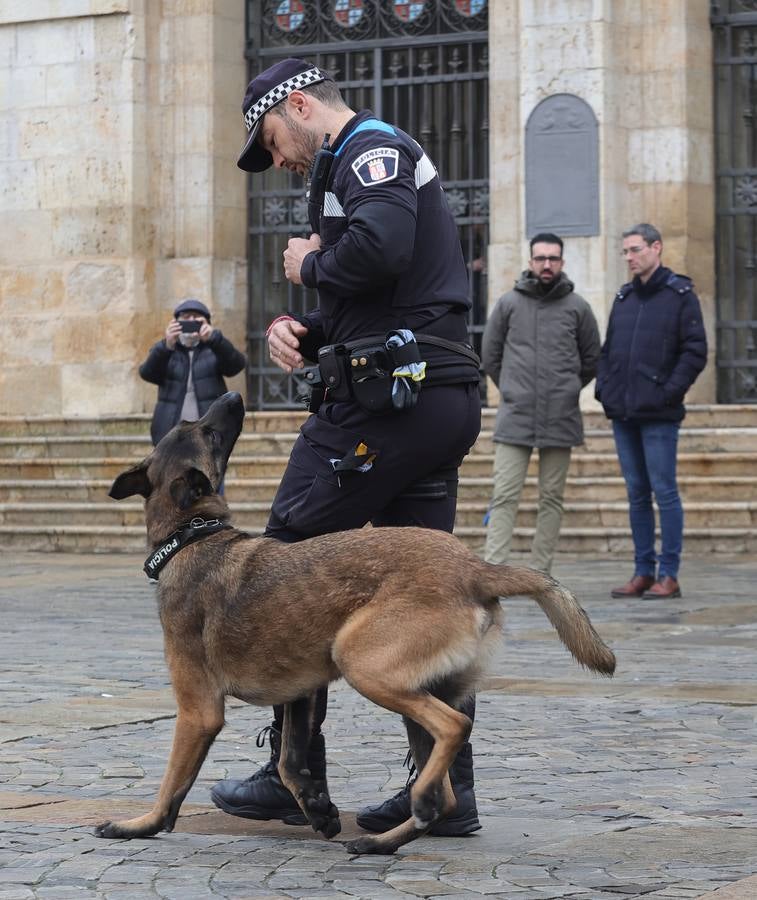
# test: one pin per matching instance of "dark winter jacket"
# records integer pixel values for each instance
(540, 349)
(654, 349)
(169, 369)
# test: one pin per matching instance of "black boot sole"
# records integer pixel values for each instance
(456, 829)
(260, 813)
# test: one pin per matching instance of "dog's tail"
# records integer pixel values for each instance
(561, 608)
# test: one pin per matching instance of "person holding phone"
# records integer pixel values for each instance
(188, 365)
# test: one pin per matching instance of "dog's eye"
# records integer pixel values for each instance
(215, 437)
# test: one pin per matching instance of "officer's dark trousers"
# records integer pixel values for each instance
(412, 481)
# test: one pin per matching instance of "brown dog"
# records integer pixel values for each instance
(408, 616)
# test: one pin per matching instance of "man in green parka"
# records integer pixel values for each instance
(540, 347)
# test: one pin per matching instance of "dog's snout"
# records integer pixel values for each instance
(230, 403)
(230, 400)
(225, 415)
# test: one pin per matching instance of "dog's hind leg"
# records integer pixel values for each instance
(199, 719)
(312, 796)
(432, 797)
(421, 747)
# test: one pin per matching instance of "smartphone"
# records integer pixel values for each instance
(190, 326)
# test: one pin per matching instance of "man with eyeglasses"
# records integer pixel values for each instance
(654, 350)
(540, 347)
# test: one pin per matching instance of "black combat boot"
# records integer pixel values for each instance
(462, 820)
(263, 795)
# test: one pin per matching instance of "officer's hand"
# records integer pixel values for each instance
(172, 333)
(206, 332)
(283, 344)
(296, 251)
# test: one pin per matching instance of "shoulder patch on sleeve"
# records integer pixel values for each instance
(377, 165)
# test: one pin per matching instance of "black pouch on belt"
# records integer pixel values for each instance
(371, 371)
(332, 361)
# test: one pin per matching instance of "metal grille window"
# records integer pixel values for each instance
(735, 50)
(422, 66)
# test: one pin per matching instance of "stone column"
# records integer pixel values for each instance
(646, 70)
(119, 193)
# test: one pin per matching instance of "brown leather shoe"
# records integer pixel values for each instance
(635, 587)
(663, 589)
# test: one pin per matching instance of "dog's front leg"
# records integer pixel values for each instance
(200, 718)
(311, 794)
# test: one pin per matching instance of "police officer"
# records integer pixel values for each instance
(401, 406)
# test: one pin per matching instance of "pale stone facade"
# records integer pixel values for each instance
(119, 194)
(118, 191)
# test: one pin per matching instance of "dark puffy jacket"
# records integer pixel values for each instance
(169, 369)
(654, 349)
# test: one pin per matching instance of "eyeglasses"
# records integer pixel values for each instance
(549, 259)
(631, 251)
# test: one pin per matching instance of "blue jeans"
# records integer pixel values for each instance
(647, 452)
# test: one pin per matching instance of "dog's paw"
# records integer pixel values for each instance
(367, 845)
(108, 830)
(329, 828)
(323, 815)
(319, 804)
(130, 828)
(427, 808)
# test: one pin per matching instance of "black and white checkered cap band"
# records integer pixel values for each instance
(256, 112)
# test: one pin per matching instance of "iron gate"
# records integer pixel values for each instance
(735, 54)
(419, 64)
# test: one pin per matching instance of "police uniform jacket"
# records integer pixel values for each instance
(540, 348)
(169, 369)
(390, 252)
(654, 349)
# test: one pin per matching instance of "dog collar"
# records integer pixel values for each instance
(194, 530)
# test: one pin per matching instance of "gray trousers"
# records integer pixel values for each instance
(510, 467)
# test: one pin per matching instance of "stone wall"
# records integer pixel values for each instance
(645, 68)
(119, 193)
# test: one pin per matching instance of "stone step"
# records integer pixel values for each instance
(31, 426)
(251, 490)
(136, 424)
(600, 465)
(691, 440)
(588, 542)
(253, 516)
(581, 515)
(595, 465)
(698, 415)
(599, 542)
(133, 447)
(611, 488)
(108, 514)
(88, 490)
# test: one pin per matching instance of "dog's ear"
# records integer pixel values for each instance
(132, 481)
(190, 487)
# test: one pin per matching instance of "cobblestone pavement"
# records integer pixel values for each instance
(588, 788)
